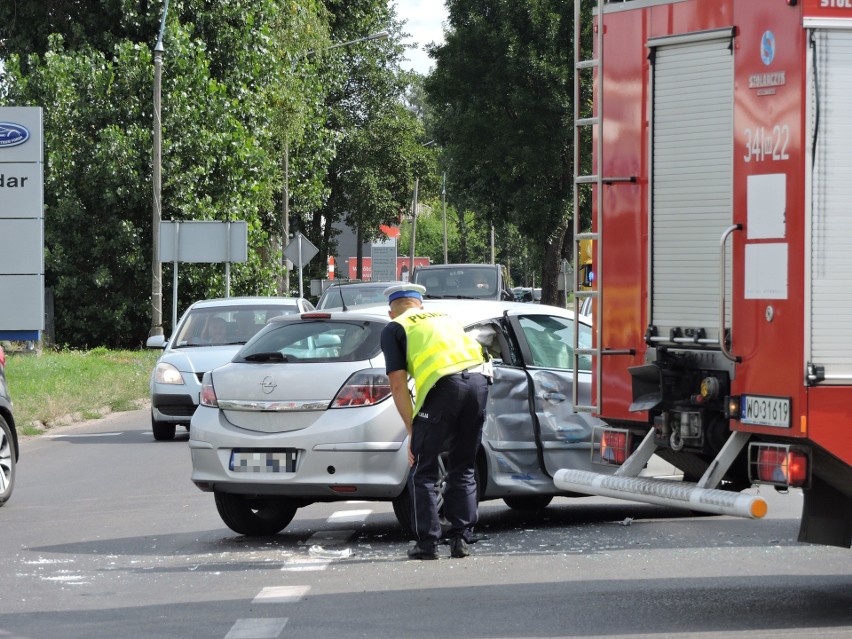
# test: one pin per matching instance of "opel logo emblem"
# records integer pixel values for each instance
(268, 384)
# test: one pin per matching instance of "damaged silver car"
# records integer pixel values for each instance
(304, 414)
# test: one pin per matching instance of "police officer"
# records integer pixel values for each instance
(451, 390)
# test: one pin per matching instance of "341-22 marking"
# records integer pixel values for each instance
(762, 143)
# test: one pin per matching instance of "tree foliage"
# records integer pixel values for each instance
(378, 142)
(242, 82)
(501, 91)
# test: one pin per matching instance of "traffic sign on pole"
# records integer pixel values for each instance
(300, 251)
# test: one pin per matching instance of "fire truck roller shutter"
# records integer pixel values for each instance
(692, 173)
(830, 102)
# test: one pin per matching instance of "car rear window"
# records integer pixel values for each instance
(315, 340)
(473, 282)
(219, 325)
(334, 296)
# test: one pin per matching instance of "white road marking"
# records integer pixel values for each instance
(69, 436)
(281, 594)
(348, 516)
(256, 628)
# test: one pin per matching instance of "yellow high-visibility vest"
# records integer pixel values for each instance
(437, 346)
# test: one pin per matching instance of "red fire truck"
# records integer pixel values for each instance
(717, 161)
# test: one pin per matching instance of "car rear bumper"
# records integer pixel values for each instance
(336, 459)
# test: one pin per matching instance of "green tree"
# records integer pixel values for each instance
(501, 91)
(377, 142)
(222, 127)
(245, 85)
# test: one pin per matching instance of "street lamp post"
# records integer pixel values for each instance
(413, 227)
(156, 266)
(285, 208)
(444, 207)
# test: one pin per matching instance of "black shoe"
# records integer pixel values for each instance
(422, 551)
(459, 548)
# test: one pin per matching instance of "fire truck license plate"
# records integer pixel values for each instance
(765, 411)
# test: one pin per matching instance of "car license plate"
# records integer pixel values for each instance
(765, 411)
(266, 460)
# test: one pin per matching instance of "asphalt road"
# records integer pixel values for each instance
(106, 537)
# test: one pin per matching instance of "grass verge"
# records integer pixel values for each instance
(51, 388)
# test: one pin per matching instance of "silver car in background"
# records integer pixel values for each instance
(208, 335)
(9, 449)
(348, 294)
(304, 414)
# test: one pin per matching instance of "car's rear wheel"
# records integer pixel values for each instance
(254, 516)
(7, 461)
(163, 431)
(528, 502)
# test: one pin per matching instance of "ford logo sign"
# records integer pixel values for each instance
(12, 134)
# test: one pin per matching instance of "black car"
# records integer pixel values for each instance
(9, 450)
(463, 281)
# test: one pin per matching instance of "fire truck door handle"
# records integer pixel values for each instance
(722, 263)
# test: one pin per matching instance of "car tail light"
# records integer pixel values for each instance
(364, 388)
(779, 465)
(2, 357)
(208, 393)
(615, 446)
(313, 315)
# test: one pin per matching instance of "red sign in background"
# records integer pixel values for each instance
(402, 267)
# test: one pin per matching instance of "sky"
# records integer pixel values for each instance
(424, 23)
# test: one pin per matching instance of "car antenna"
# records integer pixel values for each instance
(342, 301)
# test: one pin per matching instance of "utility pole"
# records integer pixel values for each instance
(444, 206)
(156, 266)
(413, 227)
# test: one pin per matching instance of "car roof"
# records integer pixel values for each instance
(434, 267)
(370, 284)
(465, 311)
(246, 301)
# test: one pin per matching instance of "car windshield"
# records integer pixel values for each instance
(463, 282)
(551, 340)
(221, 325)
(317, 340)
(352, 295)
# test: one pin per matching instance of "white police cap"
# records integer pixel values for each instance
(404, 290)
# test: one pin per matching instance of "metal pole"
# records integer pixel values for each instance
(228, 261)
(156, 266)
(301, 278)
(156, 215)
(493, 261)
(285, 220)
(413, 229)
(444, 206)
(175, 276)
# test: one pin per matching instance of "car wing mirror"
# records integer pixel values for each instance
(156, 341)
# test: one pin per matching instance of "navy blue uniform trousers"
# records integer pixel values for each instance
(450, 420)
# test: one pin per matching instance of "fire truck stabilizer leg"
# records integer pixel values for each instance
(826, 516)
(639, 458)
(662, 492)
(722, 463)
